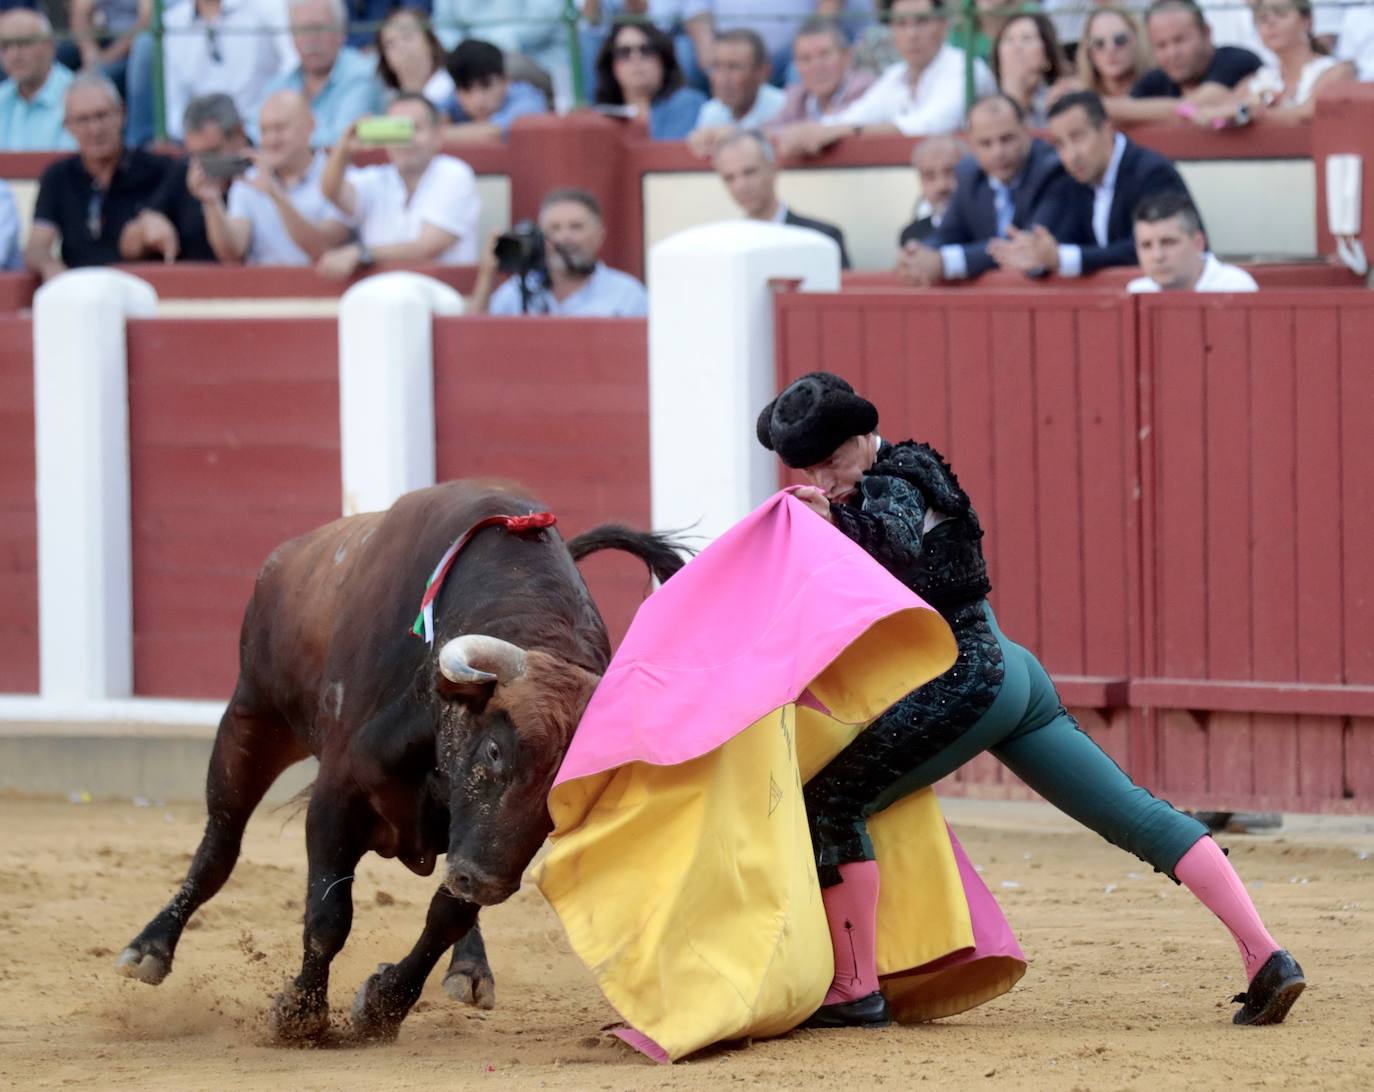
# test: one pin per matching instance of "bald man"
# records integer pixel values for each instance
(32, 109)
(935, 159)
(275, 214)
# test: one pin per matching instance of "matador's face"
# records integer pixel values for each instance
(840, 474)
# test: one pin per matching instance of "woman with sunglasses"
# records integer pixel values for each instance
(1112, 53)
(637, 68)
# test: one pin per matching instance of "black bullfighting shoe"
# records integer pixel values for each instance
(1272, 991)
(863, 1012)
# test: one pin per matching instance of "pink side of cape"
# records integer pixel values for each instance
(710, 665)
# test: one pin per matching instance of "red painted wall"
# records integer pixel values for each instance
(234, 448)
(18, 513)
(562, 407)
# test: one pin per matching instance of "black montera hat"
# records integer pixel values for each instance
(813, 417)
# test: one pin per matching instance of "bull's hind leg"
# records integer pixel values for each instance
(250, 751)
(387, 996)
(338, 829)
(469, 978)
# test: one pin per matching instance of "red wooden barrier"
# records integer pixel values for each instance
(18, 514)
(562, 407)
(1258, 515)
(234, 448)
(1032, 400)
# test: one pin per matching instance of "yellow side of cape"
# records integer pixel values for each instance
(691, 892)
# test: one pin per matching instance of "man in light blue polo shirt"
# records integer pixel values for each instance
(340, 83)
(741, 96)
(32, 106)
(574, 281)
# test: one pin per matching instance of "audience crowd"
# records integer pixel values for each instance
(268, 102)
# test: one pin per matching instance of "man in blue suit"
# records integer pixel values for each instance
(1012, 181)
(1111, 176)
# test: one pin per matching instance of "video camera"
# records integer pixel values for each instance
(521, 251)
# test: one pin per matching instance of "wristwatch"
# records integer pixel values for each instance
(1242, 116)
(365, 256)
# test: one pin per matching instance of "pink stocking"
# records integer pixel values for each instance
(851, 909)
(1206, 872)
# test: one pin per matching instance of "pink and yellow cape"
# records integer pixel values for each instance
(681, 864)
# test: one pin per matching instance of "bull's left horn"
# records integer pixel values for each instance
(475, 659)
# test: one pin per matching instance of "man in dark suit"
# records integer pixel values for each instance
(1012, 181)
(746, 165)
(936, 161)
(1111, 175)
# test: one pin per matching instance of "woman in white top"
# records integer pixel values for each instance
(1286, 92)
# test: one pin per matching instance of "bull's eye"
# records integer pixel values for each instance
(493, 751)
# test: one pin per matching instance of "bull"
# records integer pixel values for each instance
(424, 750)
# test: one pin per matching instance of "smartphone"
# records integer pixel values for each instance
(385, 130)
(613, 110)
(224, 166)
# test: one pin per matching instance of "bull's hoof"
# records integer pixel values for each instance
(374, 1015)
(472, 984)
(149, 967)
(296, 1018)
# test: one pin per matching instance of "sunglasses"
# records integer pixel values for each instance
(1119, 40)
(625, 52)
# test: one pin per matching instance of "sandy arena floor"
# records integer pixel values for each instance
(1128, 985)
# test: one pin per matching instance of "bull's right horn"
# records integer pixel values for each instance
(475, 659)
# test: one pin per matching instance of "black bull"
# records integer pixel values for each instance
(422, 749)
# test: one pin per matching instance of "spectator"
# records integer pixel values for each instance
(777, 21)
(1192, 71)
(338, 81)
(104, 33)
(410, 59)
(936, 160)
(11, 254)
(1112, 54)
(531, 28)
(920, 95)
(172, 224)
(1173, 251)
(1356, 41)
(742, 96)
(484, 101)
(1012, 180)
(745, 163)
(685, 23)
(573, 281)
(1285, 92)
(85, 200)
(1113, 175)
(364, 16)
(419, 207)
(1027, 62)
(829, 81)
(275, 214)
(31, 100)
(638, 68)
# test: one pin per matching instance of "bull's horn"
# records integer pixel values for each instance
(475, 659)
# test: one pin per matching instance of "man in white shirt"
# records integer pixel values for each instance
(275, 214)
(420, 207)
(921, 95)
(1173, 251)
(742, 97)
(229, 46)
(1356, 42)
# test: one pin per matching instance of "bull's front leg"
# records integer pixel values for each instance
(469, 978)
(338, 828)
(388, 996)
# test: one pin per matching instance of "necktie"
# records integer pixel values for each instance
(1001, 204)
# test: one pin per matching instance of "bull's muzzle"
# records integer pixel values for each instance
(464, 880)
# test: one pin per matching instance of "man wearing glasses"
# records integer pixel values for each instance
(85, 200)
(31, 99)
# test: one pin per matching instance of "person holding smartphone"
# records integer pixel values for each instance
(171, 226)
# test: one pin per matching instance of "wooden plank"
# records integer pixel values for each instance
(971, 450)
(1182, 759)
(1230, 772)
(926, 413)
(1357, 493)
(1321, 758)
(1358, 745)
(841, 339)
(1240, 696)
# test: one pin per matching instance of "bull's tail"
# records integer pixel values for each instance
(661, 552)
